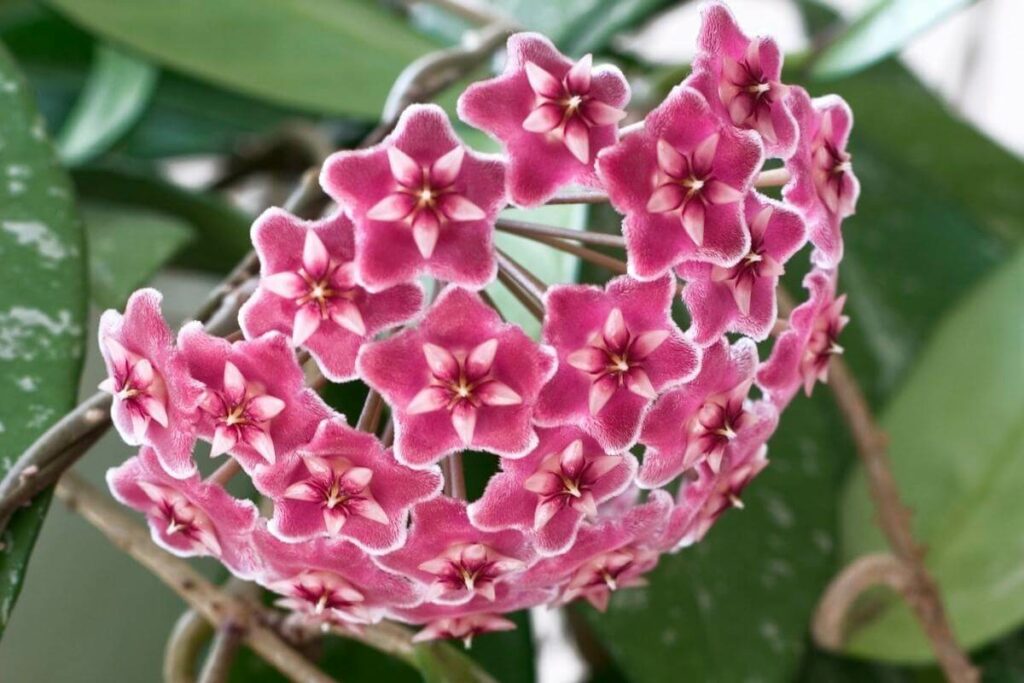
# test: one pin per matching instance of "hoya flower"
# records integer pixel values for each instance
(553, 489)
(187, 517)
(345, 484)
(699, 421)
(741, 298)
(740, 77)
(256, 405)
(613, 554)
(155, 399)
(308, 291)
(618, 349)
(680, 182)
(823, 186)
(421, 202)
(552, 116)
(802, 353)
(462, 379)
(466, 620)
(453, 559)
(331, 579)
(703, 499)
(463, 628)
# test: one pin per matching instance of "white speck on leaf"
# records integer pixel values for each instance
(28, 333)
(38, 235)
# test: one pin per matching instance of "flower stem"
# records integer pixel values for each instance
(189, 635)
(454, 476)
(527, 229)
(373, 410)
(523, 285)
(216, 606)
(226, 472)
(579, 197)
(775, 177)
(893, 517)
(586, 254)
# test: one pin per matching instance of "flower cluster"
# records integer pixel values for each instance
(586, 426)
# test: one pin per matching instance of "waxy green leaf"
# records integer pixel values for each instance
(956, 438)
(883, 29)
(114, 97)
(42, 304)
(126, 247)
(330, 56)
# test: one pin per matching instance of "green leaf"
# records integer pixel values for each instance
(115, 96)
(126, 247)
(581, 26)
(956, 433)
(184, 116)
(332, 56)
(881, 30)
(222, 230)
(42, 304)
(735, 606)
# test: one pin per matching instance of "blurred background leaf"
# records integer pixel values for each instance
(126, 247)
(959, 459)
(42, 304)
(222, 229)
(881, 30)
(113, 98)
(336, 56)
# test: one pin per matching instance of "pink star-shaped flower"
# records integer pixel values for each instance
(462, 379)
(463, 628)
(422, 203)
(553, 489)
(700, 420)
(344, 484)
(552, 116)
(618, 349)
(606, 556)
(452, 558)
(702, 500)
(741, 298)
(308, 291)
(155, 400)
(680, 182)
(331, 580)
(472, 618)
(256, 405)
(740, 77)
(802, 353)
(187, 517)
(823, 186)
